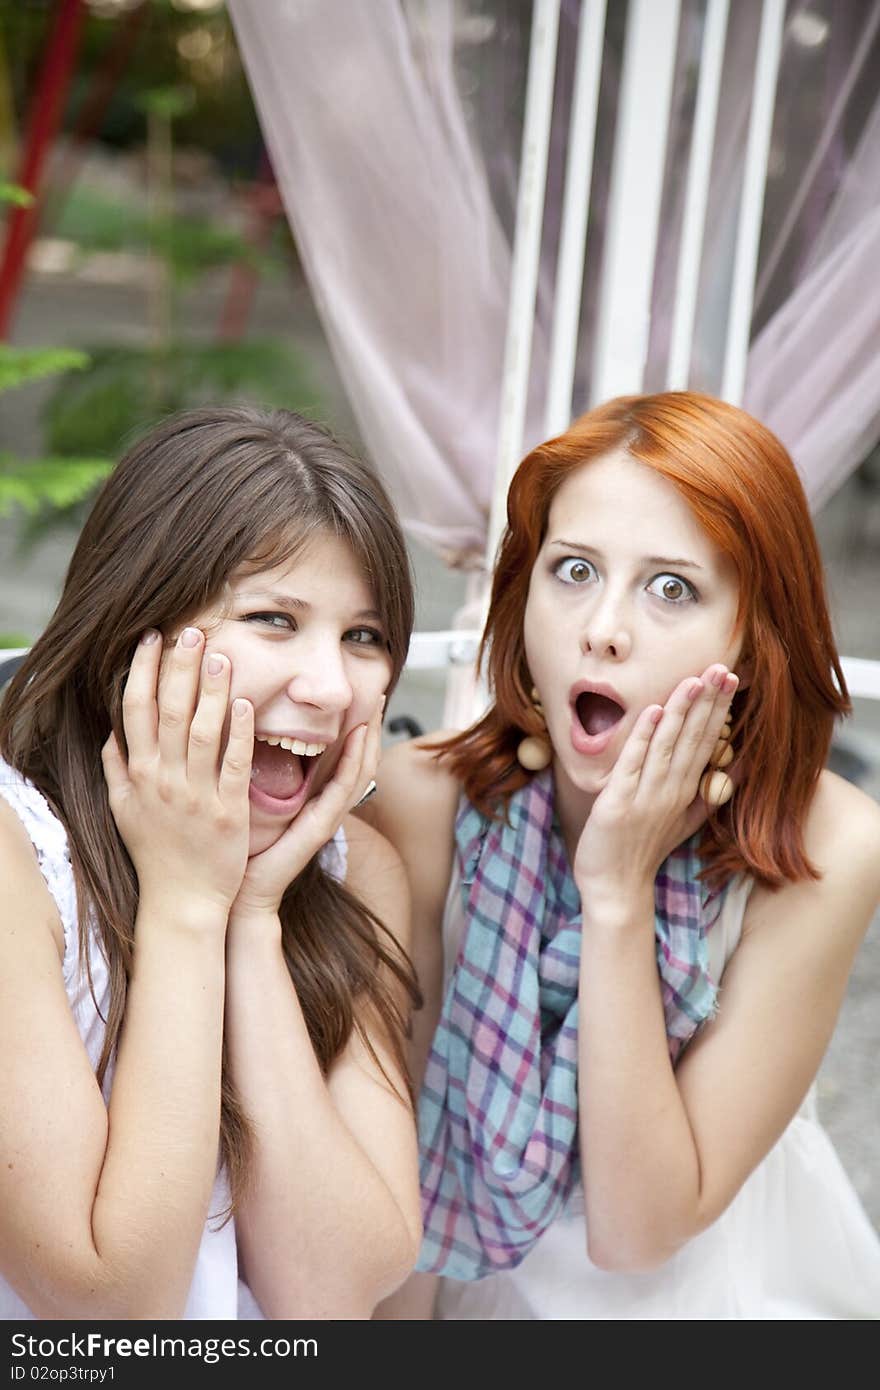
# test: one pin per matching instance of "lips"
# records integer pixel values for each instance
(282, 771)
(596, 712)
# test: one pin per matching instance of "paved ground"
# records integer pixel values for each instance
(58, 310)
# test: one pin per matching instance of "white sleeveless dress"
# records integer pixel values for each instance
(216, 1291)
(794, 1243)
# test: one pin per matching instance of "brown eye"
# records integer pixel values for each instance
(672, 588)
(573, 570)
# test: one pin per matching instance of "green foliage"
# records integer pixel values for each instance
(168, 102)
(21, 365)
(186, 79)
(57, 483)
(188, 245)
(222, 119)
(14, 193)
(128, 388)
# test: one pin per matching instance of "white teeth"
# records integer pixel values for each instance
(293, 745)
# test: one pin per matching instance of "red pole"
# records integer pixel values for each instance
(44, 118)
(94, 107)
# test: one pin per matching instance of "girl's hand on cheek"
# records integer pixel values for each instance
(274, 869)
(179, 800)
(650, 803)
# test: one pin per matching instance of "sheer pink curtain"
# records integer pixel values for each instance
(394, 130)
(404, 252)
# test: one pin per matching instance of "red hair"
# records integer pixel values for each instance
(743, 489)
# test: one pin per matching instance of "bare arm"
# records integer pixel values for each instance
(331, 1221)
(665, 1151)
(101, 1213)
(415, 808)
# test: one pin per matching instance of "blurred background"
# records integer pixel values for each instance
(162, 248)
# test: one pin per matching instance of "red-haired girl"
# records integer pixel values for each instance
(638, 896)
(204, 986)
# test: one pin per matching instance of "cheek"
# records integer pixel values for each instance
(534, 623)
(368, 685)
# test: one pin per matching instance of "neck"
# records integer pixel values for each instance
(573, 808)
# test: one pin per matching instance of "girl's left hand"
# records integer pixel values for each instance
(270, 873)
(650, 803)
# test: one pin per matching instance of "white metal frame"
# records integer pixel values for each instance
(631, 238)
(742, 288)
(624, 314)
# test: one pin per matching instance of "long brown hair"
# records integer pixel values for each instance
(744, 490)
(202, 494)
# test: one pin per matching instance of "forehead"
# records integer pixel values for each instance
(322, 560)
(618, 495)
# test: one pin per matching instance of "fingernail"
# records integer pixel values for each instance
(239, 707)
(190, 637)
(657, 714)
(718, 677)
(214, 665)
(731, 683)
(695, 690)
(149, 636)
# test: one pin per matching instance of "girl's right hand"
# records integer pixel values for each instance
(180, 801)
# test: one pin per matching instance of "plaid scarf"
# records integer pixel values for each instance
(498, 1111)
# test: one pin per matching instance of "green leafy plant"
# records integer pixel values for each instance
(34, 485)
(40, 485)
(125, 388)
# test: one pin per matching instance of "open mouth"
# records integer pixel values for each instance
(597, 713)
(283, 768)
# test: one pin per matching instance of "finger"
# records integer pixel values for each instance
(139, 709)
(344, 787)
(206, 729)
(178, 688)
(627, 771)
(372, 748)
(115, 766)
(700, 733)
(682, 706)
(692, 734)
(235, 768)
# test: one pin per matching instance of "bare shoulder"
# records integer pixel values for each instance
(414, 808)
(842, 834)
(375, 873)
(842, 840)
(413, 778)
(25, 896)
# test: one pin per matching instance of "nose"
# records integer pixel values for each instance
(321, 678)
(606, 630)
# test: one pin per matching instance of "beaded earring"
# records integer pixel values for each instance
(534, 751)
(716, 787)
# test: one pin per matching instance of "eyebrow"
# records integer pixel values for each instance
(678, 561)
(299, 605)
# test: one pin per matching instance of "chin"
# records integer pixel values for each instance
(263, 837)
(587, 779)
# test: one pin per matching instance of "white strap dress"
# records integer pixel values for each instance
(794, 1243)
(216, 1291)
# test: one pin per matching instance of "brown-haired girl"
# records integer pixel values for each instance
(645, 893)
(204, 985)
